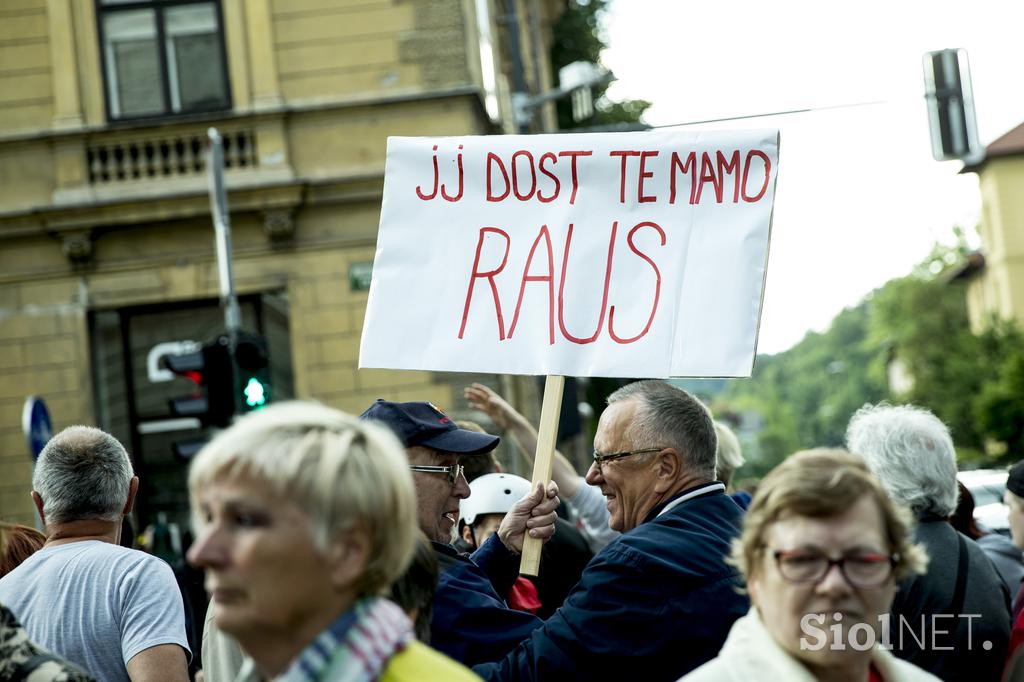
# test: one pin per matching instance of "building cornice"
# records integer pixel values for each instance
(189, 199)
(252, 115)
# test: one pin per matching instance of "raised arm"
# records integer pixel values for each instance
(523, 433)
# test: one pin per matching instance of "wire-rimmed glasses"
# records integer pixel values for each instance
(600, 459)
(453, 472)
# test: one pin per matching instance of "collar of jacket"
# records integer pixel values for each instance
(683, 496)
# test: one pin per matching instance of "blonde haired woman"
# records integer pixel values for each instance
(306, 516)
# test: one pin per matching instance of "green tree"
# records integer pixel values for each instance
(999, 407)
(578, 36)
(805, 395)
(973, 383)
(923, 319)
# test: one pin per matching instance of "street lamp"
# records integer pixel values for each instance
(576, 80)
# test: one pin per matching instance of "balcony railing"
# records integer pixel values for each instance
(158, 157)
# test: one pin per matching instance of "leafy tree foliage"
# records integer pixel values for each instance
(925, 321)
(965, 379)
(999, 408)
(806, 394)
(578, 37)
(974, 383)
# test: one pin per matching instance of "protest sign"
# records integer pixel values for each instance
(622, 255)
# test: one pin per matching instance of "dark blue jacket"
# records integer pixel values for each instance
(654, 604)
(472, 623)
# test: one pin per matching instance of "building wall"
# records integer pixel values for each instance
(26, 90)
(999, 289)
(317, 87)
(43, 351)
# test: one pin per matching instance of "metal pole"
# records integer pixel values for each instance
(511, 22)
(222, 231)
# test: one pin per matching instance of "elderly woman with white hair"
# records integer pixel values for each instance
(305, 517)
(821, 550)
(954, 620)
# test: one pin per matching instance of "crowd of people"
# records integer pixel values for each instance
(387, 547)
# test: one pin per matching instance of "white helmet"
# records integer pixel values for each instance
(492, 494)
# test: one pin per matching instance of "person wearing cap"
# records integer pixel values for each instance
(660, 599)
(472, 623)
(938, 618)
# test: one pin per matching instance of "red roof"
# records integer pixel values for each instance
(1009, 144)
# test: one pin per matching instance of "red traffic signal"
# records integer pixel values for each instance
(212, 401)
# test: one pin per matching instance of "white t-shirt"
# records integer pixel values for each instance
(96, 604)
(592, 513)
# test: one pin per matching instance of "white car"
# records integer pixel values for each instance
(987, 486)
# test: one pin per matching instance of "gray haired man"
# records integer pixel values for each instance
(116, 612)
(954, 620)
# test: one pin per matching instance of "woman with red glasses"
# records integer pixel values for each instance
(822, 549)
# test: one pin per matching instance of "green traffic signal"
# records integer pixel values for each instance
(255, 393)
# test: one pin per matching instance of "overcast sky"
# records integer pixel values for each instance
(859, 199)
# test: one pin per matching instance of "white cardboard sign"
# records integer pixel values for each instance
(620, 255)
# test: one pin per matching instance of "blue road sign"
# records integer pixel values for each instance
(35, 422)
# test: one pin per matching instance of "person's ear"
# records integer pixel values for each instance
(667, 470)
(133, 488)
(467, 534)
(37, 501)
(753, 588)
(348, 555)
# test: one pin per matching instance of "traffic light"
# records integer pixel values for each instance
(209, 369)
(253, 390)
(954, 131)
(219, 391)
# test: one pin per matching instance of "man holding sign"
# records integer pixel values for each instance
(659, 599)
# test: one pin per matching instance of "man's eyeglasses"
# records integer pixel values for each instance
(860, 570)
(453, 472)
(600, 459)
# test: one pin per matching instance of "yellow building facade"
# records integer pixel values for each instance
(106, 241)
(995, 288)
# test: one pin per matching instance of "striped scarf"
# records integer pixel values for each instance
(355, 648)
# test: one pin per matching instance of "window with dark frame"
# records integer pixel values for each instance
(162, 57)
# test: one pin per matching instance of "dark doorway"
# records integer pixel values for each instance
(136, 410)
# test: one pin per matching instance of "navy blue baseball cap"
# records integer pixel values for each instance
(421, 423)
(1015, 481)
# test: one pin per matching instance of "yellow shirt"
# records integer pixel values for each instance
(419, 663)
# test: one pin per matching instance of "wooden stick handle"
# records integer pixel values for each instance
(547, 435)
